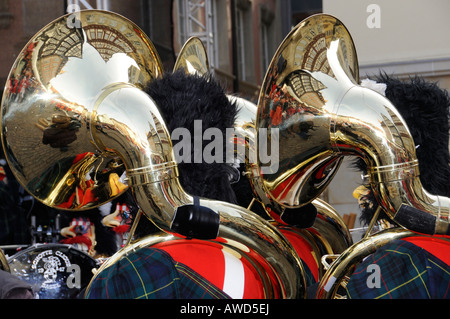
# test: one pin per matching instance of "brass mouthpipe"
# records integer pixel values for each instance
(126, 122)
(366, 124)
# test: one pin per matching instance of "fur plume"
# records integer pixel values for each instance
(182, 99)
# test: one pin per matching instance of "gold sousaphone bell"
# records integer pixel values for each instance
(48, 123)
(311, 93)
(4, 265)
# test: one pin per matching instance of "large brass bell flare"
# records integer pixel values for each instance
(51, 96)
(293, 103)
(4, 265)
(192, 58)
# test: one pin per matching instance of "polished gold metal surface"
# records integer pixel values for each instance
(4, 265)
(344, 264)
(50, 100)
(245, 151)
(79, 113)
(192, 58)
(153, 176)
(311, 96)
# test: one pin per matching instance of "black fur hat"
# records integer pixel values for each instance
(182, 99)
(426, 110)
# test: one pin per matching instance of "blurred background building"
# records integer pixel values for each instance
(241, 36)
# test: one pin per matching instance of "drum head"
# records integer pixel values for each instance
(55, 271)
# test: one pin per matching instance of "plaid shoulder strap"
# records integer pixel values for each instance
(150, 273)
(400, 270)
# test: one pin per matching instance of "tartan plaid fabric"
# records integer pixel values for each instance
(407, 272)
(150, 273)
(309, 277)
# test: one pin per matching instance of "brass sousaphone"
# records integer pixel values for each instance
(315, 70)
(79, 119)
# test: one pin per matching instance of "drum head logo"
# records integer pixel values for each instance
(50, 263)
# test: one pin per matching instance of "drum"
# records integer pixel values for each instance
(55, 271)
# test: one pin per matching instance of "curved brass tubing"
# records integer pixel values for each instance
(4, 265)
